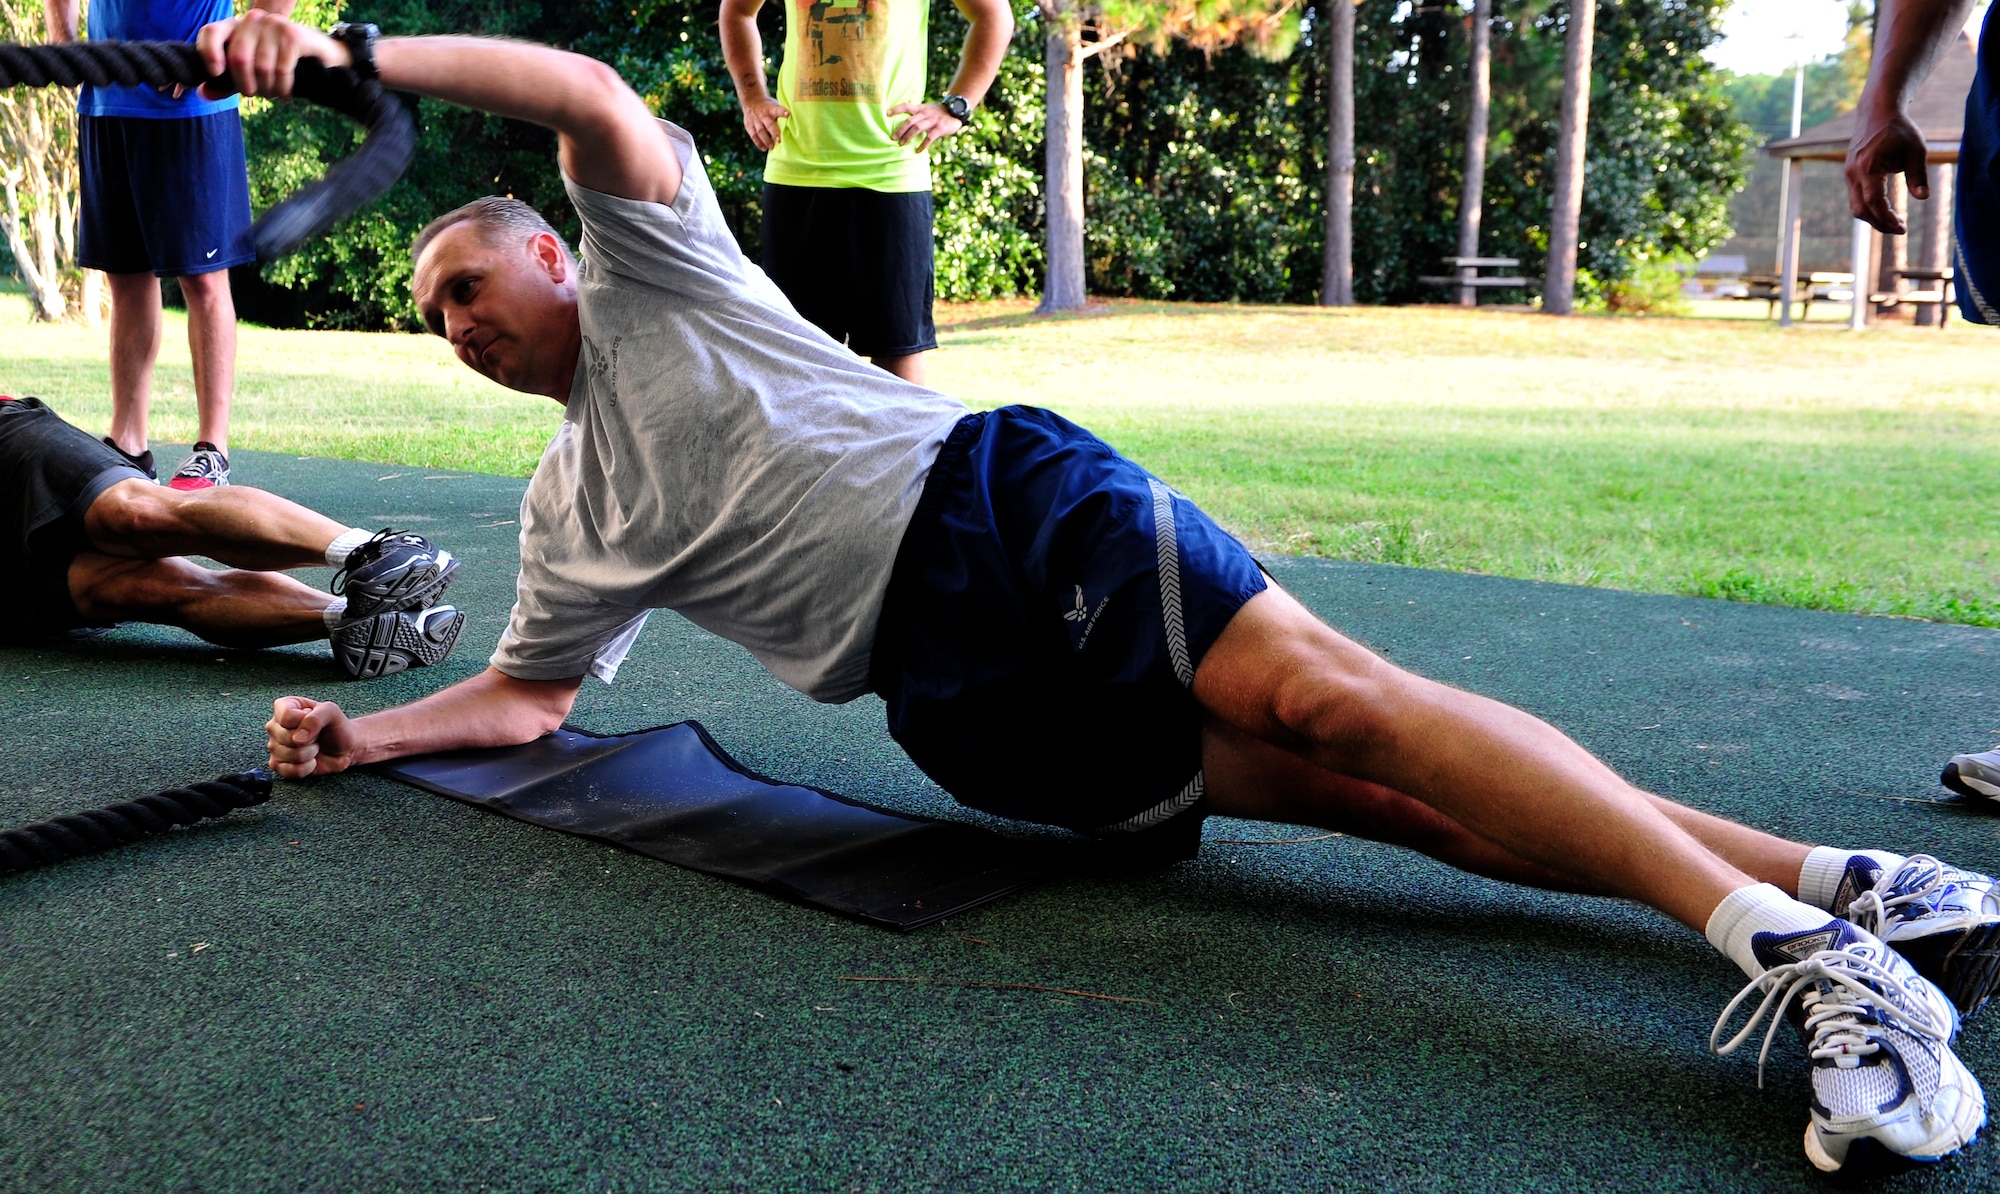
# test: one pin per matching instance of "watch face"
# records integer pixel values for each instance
(956, 105)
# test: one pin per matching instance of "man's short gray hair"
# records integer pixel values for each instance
(494, 216)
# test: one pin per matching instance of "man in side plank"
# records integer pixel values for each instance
(985, 572)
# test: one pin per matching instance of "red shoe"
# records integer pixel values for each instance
(205, 468)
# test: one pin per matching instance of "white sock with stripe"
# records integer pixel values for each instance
(1759, 908)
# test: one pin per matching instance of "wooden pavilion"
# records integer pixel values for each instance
(1939, 110)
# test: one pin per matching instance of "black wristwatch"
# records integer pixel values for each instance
(360, 42)
(959, 107)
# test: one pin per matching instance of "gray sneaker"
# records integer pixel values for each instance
(396, 641)
(1973, 775)
(394, 570)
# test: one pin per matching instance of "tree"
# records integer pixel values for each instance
(1267, 28)
(1336, 287)
(1559, 287)
(38, 150)
(1472, 195)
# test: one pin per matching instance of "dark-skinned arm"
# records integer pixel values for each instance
(1909, 37)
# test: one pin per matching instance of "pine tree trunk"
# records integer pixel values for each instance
(1336, 287)
(1473, 197)
(1559, 287)
(1063, 287)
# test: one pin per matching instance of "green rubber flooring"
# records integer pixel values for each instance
(359, 986)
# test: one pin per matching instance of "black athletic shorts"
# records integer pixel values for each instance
(858, 264)
(50, 473)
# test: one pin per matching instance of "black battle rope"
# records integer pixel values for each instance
(58, 838)
(348, 185)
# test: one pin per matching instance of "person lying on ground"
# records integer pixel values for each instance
(1059, 636)
(93, 542)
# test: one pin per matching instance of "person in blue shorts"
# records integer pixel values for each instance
(163, 195)
(1057, 635)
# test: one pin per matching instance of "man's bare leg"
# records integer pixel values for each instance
(212, 346)
(232, 608)
(1521, 801)
(910, 368)
(1252, 779)
(234, 525)
(135, 346)
(1280, 675)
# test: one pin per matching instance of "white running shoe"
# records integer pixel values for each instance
(1944, 920)
(1884, 1078)
(1974, 775)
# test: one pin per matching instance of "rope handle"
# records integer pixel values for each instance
(348, 185)
(101, 829)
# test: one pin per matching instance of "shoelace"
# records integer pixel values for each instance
(360, 557)
(1835, 1020)
(1871, 909)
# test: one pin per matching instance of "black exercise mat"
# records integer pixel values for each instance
(673, 794)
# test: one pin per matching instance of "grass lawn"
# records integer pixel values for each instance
(1714, 457)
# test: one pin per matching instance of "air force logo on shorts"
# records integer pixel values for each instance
(1082, 618)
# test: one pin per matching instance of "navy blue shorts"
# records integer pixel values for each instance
(1049, 605)
(1976, 223)
(168, 197)
(859, 265)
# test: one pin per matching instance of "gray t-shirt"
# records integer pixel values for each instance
(720, 457)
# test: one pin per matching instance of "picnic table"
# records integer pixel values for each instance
(1468, 281)
(1827, 286)
(1939, 292)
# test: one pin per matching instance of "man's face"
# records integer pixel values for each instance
(508, 307)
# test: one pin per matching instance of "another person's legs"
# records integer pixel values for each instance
(232, 608)
(135, 346)
(212, 347)
(386, 621)
(859, 265)
(111, 237)
(176, 202)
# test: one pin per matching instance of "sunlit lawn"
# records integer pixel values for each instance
(1706, 456)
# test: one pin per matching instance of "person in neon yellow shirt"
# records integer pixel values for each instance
(847, 185)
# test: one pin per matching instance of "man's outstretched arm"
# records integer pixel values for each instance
(1909, 36)
(607, 138)
(308, 737)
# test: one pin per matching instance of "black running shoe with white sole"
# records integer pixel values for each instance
(1944, 920)
(1974, 775)
(394, 570)
(1886, 1086)
(396, 641)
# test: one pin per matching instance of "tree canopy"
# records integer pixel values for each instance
(1203, 168)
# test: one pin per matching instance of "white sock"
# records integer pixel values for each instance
(1826, 866)
(345, 542)
(1760, 908)
(334, 613)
